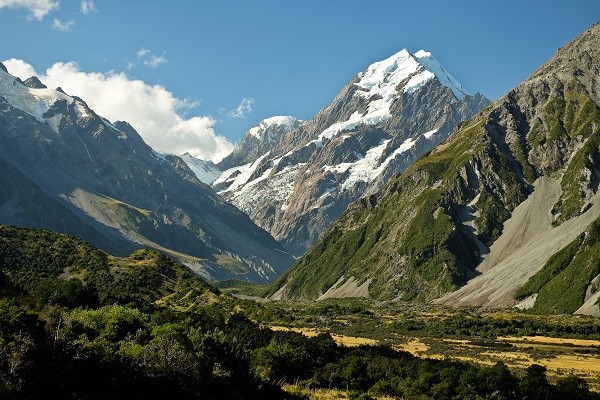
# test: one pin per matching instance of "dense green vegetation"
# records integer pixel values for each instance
(574, 115)
(562, 283)
(555, 265)
(78, 323)
(392, 323)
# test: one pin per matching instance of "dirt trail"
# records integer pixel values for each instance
(527, 242)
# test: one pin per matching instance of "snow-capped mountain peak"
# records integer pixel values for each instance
(34, 98)
(382, 78)
(427, 60)
(295, 182)
(33, 101)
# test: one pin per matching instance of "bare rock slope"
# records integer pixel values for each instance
(294, 178)
(506, 210)
(65, 168)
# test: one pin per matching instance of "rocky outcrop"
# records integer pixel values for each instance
(506, 209)
(82, 175)
(295, 179)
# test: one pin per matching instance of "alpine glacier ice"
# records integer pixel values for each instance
(294, 177)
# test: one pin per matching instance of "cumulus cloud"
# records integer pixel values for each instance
(243, 110)
(63, 26)
(88, 7)
(19, 68)
(37, 8)
(151, 109)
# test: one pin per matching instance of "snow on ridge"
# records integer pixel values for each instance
(244, 173)
(379, 82)
(364, 170)
(286, 121)
(35, 102)
(430, 133)
(201, 169)
(426, 59)
(368, 167)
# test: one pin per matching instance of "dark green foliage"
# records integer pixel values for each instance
(60, 269)
(56, 343)
(70, 293)
(555, 265)
(579, 263)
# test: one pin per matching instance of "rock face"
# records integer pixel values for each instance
(506, 209)
(65, 168)
(295, 178)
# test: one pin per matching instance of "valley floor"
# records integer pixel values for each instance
(564, 345)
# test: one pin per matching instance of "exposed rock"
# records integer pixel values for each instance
(34, 83)
(508, 203)
(70, 170)
(295, 182)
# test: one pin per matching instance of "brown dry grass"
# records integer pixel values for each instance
(349, 341)
(559, 355)
(550, 340)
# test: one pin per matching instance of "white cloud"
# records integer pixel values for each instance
(142, 52)
(151, 60)
(88, 7)
(243, 110)
(151, 109)
(156, 61)
(62, 26)
(37, 8)
(19, 68)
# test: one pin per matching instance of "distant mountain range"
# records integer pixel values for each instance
(294, 178)
(64, 167)
(504, 213)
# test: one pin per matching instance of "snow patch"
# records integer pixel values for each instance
(244, 172)
(159, 156)
(426, 59)
(82, 111)
(35, 102)
(369, 166)
(54, 122)
(429, 134)
(287, 122)
(205, 171)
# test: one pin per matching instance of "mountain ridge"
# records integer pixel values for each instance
(109, 179)
(379, 123)
(425, 234)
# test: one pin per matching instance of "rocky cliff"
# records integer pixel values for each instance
(68, 169)
(506, 210)
(295, 178)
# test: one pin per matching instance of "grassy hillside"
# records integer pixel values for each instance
(424, 234)
(562, 284)
(56, 266)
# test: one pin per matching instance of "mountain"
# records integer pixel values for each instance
(65, 168)
(506, 209)
(295, 178)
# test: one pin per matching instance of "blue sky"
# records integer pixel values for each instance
(228, 64)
